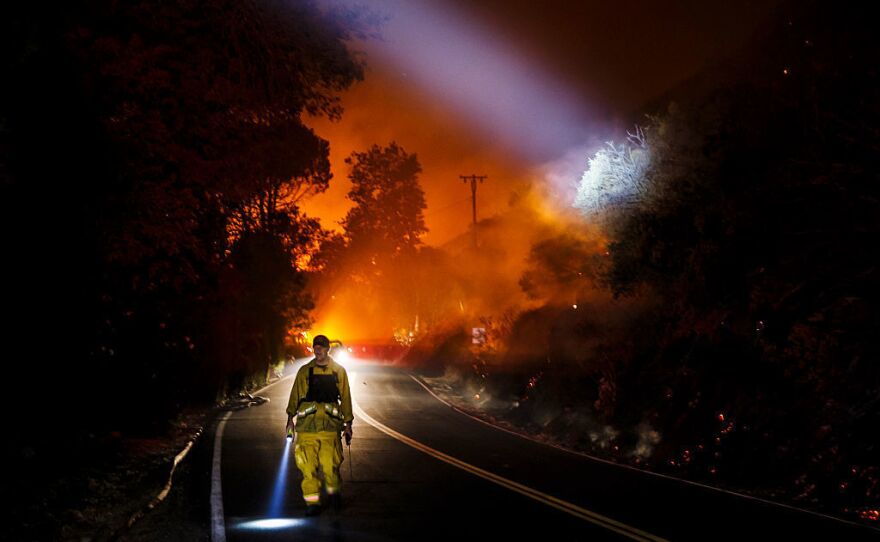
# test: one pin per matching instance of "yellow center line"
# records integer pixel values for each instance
(570, 508)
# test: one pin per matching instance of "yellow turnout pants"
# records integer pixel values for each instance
(314, 451)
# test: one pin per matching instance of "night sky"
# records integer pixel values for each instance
(605, 60)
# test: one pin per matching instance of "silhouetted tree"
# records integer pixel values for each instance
(389, 204)
(379, 253)
(165, 143)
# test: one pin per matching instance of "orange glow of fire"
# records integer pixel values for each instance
(871, 514)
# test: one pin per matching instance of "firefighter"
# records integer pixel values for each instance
(318, 410)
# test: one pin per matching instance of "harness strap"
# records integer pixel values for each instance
(309, 383)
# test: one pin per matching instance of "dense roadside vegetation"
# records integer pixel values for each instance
(726, 331)
(153, 159)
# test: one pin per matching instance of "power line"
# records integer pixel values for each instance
(445, 207)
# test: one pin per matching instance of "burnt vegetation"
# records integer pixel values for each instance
(738, 346)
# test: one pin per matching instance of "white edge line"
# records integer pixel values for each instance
(643, 471)
(218, 521)
(218, 534)
(565, 506)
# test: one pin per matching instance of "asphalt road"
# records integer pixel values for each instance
(422, 471)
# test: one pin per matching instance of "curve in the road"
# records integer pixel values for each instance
(218, 531)
(565, 506)
(642, 471)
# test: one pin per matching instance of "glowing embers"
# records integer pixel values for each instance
(271, 524)
(870, 514)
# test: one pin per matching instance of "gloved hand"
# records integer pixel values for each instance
(288, 431)
(348, 433)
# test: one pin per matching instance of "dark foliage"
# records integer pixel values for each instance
(741, 348)
(763, 368)
(153, 155)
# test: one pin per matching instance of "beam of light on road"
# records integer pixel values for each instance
(501, 89)
(273, 524)
(277, 501)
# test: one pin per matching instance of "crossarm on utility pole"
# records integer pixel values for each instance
(473, 179)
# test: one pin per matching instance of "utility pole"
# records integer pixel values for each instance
(473, 179)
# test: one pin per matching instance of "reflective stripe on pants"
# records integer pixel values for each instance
(316, 452)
